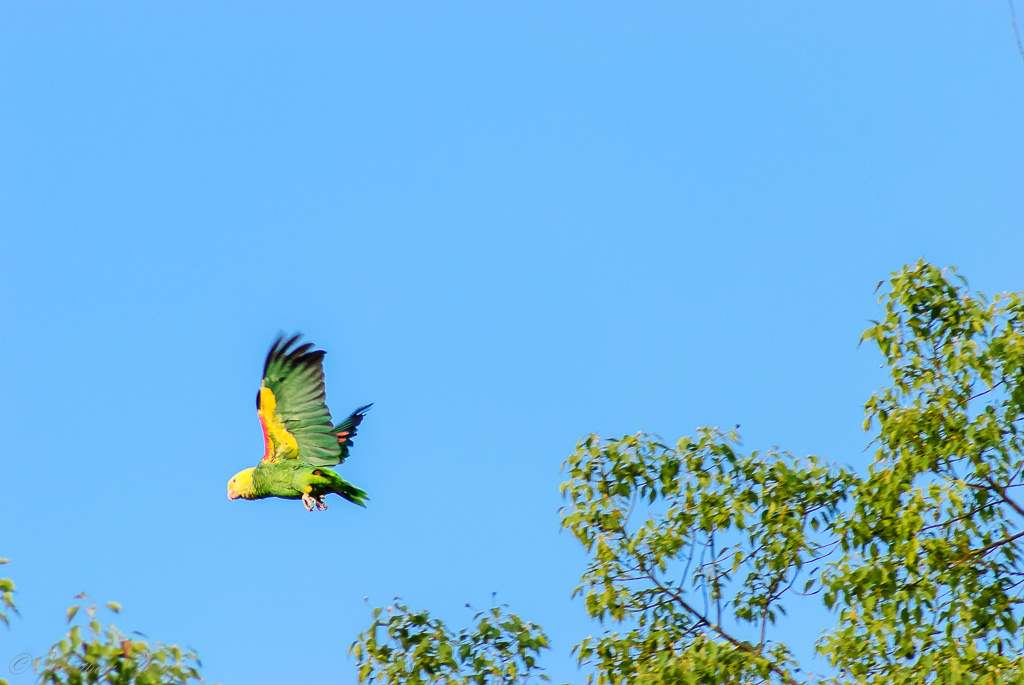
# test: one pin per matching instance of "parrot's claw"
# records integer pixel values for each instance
(321, 505)
(308, 502)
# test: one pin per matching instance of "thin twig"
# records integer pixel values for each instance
(977, 395)
(704, 581)
(978, 553)
(776, 668)
(1001, 491)
(1016, 32)
(1006, 498)
(689, 560)
(632, 502)
(717, 589)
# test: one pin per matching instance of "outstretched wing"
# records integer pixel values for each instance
(346, 430)
(296, 422)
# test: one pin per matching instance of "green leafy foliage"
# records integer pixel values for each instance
(405, 646)
(683, 539)
(91, 653)
(696, 549)
(6, 602)
(929, 585)
(6, 597)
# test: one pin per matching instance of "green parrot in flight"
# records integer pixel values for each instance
(301, 444)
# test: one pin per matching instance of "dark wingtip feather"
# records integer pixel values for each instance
(280, 349)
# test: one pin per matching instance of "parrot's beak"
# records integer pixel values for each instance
(231, 495)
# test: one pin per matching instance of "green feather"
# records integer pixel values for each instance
(295, 375)
(289, 480)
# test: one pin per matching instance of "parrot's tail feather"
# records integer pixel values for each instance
(346, 430)
(353, 420)
(352, 494)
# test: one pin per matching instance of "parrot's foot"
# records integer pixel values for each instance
(321, 505)
(309, 502)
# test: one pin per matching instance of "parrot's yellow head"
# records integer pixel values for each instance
(240, 484)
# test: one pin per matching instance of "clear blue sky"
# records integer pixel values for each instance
(509, 224)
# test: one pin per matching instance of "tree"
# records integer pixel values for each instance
(415, 648)
(101, 655)
(929, 582)
(697, 549)
(106, 655)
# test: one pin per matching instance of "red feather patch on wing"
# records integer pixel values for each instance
(268, 445)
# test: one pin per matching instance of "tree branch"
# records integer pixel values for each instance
(988, 548)
(718, 630)
(1001, 491)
